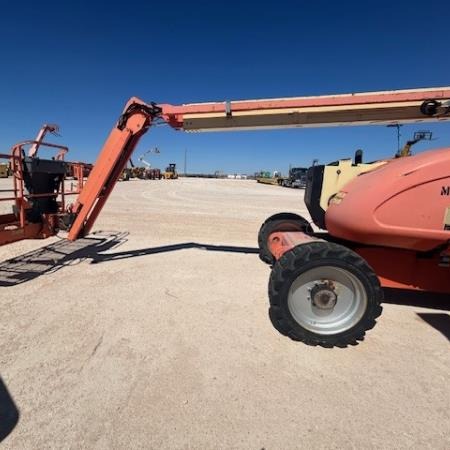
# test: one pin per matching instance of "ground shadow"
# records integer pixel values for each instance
(439, 321)
(64, 253)
(55, 256)
(416, 298)
(9, 413)
(171, 248)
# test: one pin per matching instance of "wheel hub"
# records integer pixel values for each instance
(323, 296)
(327, 300)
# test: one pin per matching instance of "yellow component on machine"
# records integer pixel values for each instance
(4, 170)
(338, 174)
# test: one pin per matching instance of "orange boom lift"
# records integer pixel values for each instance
(389, 226)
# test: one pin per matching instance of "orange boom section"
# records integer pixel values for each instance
(386, 107)
(116, 152)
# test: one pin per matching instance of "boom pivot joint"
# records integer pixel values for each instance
(152, 110)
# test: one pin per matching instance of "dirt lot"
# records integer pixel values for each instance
(154, 333)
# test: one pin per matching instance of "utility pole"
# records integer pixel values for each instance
(185, 161)
(396, 125)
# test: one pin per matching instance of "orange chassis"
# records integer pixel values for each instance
(395, 268)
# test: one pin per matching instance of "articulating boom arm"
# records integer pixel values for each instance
(406, 106)
(133, 123)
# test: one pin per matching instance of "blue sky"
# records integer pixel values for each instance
(76, 64)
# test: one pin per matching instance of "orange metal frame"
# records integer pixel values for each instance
(134, 122)
(395, 268)
(401, 106)
(15, 226)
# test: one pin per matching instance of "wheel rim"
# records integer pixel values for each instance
(327, 300)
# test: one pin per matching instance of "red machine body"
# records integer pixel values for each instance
(402, 204)
(396, 217)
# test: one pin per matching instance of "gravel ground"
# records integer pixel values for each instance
(154, 333)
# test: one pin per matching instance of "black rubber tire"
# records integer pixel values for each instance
(308, 256)
(279, 222)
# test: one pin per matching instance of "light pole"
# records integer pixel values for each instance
(396, 125)
(185, 161)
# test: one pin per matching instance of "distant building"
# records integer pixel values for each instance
(237, 176)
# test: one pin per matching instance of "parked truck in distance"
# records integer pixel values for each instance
(296, 178)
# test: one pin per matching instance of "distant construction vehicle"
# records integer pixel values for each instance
(136, 171)
(153, 174)
(141, 173)
(127, 172)
(150, 173)
(125, 175)
(418, 136)
(171, 172)
(4, 170)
